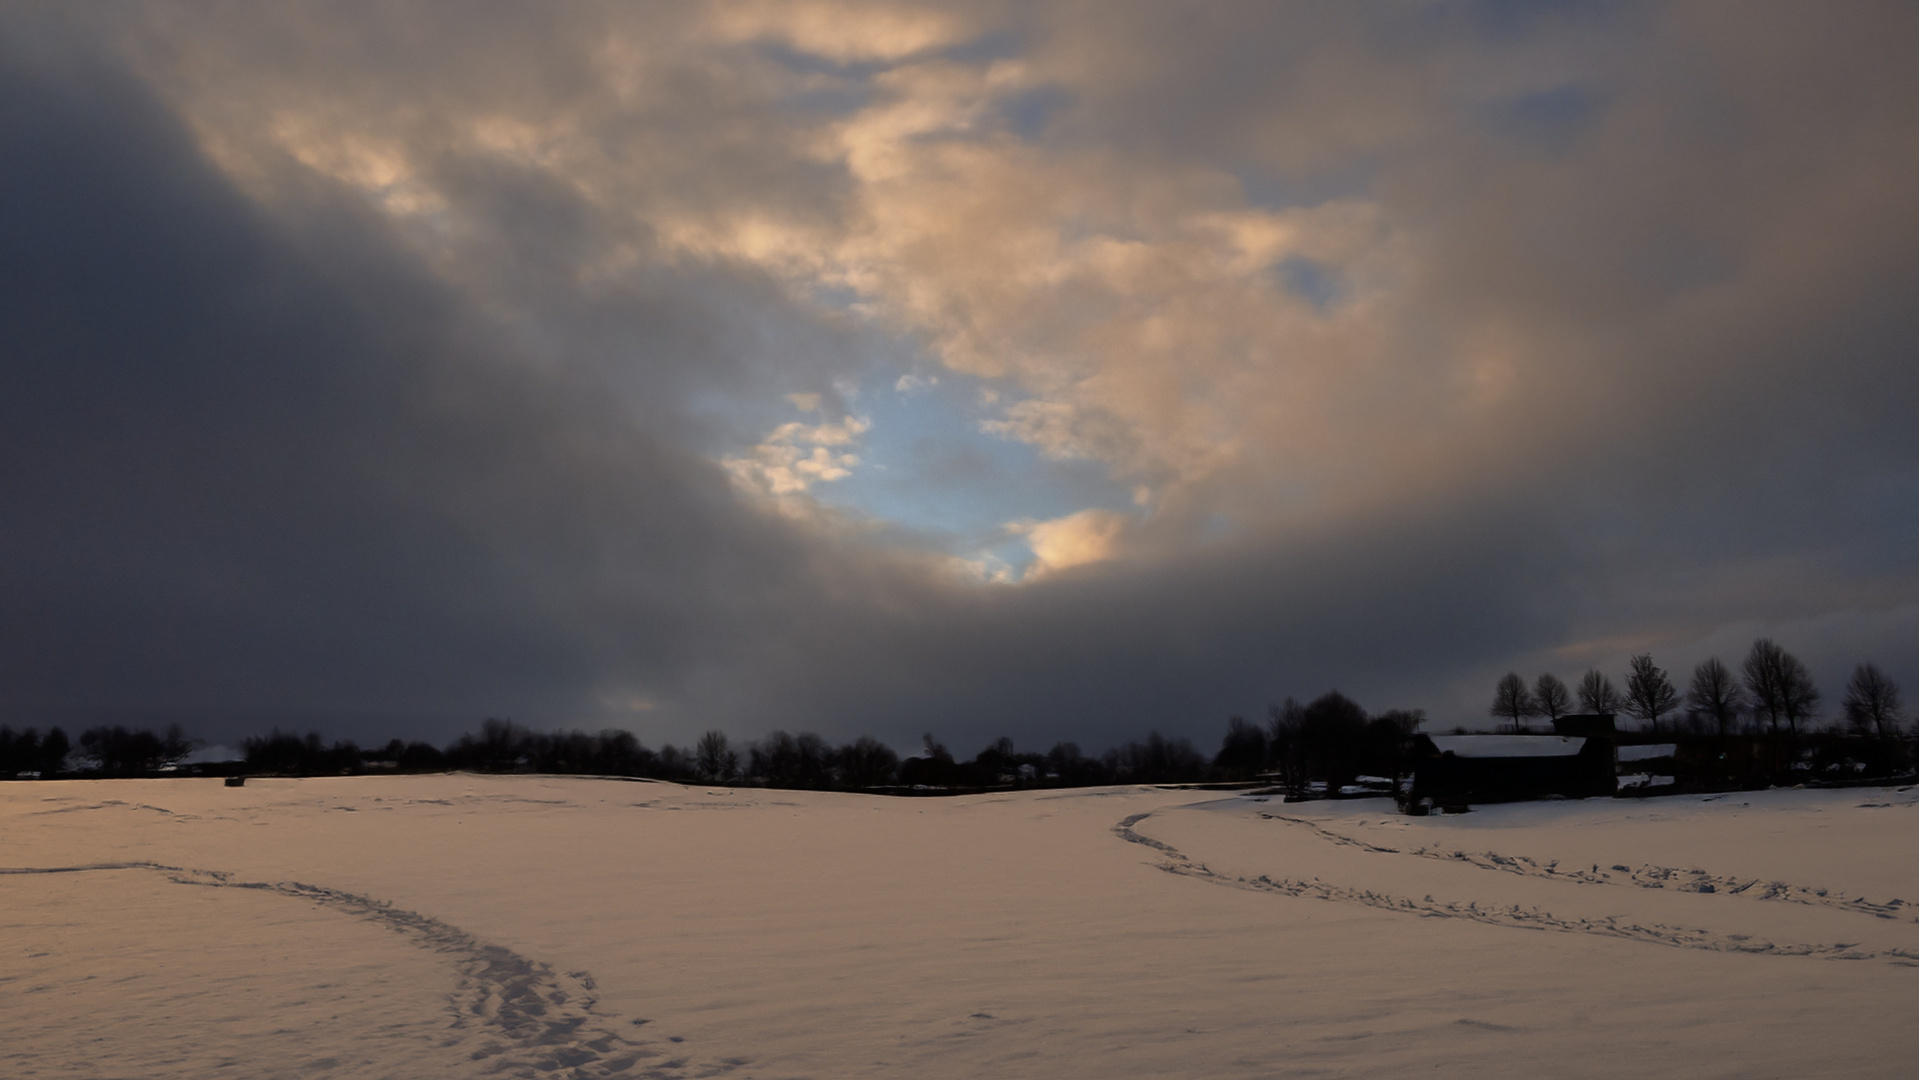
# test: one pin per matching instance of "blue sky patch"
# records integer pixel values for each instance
(926, 465)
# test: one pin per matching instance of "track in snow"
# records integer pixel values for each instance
(1177, 862)
(527, 1020)
(1645, 876)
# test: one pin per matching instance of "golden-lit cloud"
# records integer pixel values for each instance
(1128, 294)
(1078, 539)
(839, 31)
(796, 456)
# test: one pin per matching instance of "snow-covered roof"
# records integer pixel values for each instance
(1495, 746)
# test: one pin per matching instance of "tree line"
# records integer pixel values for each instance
(778, 759)
(1326, 745)
(1772, 693)
(101, 751)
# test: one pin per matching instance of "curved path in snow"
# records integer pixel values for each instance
(525, 1019)
(1178, 862)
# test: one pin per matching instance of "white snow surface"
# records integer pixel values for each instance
(1651, 752)
(456, 926)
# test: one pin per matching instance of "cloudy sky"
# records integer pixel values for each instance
(1060, 370)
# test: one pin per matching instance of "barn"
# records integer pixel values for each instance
(1452, 771)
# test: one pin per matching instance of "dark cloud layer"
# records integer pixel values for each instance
(265, 469)
(273, 460)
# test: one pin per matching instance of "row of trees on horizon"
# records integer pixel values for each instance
(1330, 740)
(779, 759)
(1330, 735)
(1772, 688)
(101, 751)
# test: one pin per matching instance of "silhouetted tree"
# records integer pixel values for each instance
(1286, 745)
(1597, 694)
(1332, 739)
(1780, 686)
(1065, 763)
(792, 761)
(1764, 677)
(1408, 721)
(673, 763)
(116, 751)
(997, 764)
(934, 767)
(715, 757)
(1872, 701)
(27, 753)
(1801, 696)
(1157, 760)
(1552, 696)
(1242, 754)
(54, 749)
(501, 746)
(1649, 693)
(565, 752)
(625, 755)
(290, 755)
(1714, 695)
(1512, 701)
(866, 763)
(421, 757)
(1388, 741)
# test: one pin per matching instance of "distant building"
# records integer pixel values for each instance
(1458, 770)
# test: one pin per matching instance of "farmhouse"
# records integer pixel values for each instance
(1456, 770)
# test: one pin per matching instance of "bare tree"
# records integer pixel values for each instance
(1872, 700)
(715, 757)
(1801, 696)
(1408, 720)
(866, 762)
(1286, 746)
(1763, 677)
(1715, 695)
(1780, 686)
(1649, 693)
(1512, 701)
(115, 751)
(1554, 699)
(1597, 694)
(1242, 754)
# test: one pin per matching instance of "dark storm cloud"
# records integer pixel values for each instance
(255, 473)
(1387, 610)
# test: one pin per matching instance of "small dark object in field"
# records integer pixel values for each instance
(236, 781)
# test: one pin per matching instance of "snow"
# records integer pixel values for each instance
(1505, 746)
(1648, 753)
(454, 926)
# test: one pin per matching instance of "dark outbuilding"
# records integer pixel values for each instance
(1456, 770)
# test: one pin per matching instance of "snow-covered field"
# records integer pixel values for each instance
(451, 926)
